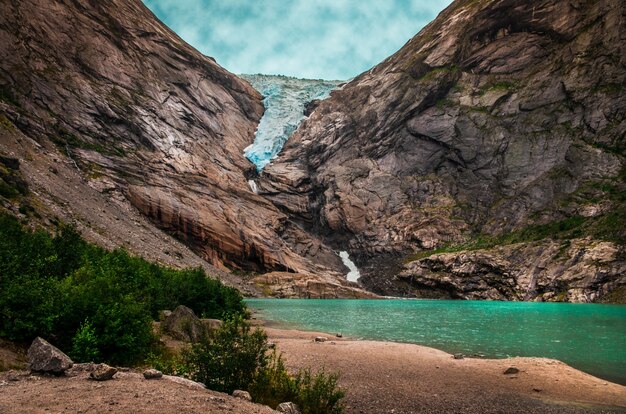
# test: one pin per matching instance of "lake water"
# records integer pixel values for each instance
(589, 337)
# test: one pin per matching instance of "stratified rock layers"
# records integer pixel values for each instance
(489, 120)
(149, 121)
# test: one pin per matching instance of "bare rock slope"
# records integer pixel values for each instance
(498, 116)
(115, 119)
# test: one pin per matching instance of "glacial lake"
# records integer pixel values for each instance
(589, 337)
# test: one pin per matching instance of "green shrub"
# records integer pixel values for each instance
(318, 393)
(237, 357)
(51, 285)
(231, 358)
(274, 385)
(85, 344)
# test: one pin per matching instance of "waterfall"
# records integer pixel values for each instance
(253, 186)
(354, 274)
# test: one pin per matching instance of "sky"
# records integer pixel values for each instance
(316, 39)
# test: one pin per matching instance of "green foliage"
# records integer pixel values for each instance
(274, 385)
(168, 363)
(318, 393)
(237, 357)
(97, 303)
(231, 358)
(85, 344)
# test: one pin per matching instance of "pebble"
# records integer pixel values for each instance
(152, 374)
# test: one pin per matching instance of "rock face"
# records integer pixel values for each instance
(581, 270)
(148, 124)
(44, 357)
(498, 115)
(308, 286)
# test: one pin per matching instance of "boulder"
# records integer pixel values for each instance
(288, 408)
(320, 339)
(184, 325)
(102, 372)
(184, 381)
(458, 356)
(244, 395)
(152, 374)
(44, 357)
(511, 371)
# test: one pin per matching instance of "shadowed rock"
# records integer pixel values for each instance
(46, 358)
(102, 372)
(184, 325)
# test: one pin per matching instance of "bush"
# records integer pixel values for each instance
(231, 358)
(85, 344)
(50, 286)
(318, 393)
(238, 357)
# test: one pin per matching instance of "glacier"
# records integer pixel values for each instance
(285, 99)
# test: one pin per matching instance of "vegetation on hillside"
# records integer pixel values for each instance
(609, 226)
(97, 303)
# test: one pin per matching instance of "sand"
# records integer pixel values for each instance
(379, 377)
(387, 377)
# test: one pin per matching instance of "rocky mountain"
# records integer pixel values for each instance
(117, 125)
(485, 159)
(501, 123)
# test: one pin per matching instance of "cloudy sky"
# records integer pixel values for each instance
(327, 39)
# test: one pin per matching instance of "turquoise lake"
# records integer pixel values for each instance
(589, 337)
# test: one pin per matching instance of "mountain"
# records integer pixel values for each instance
(485, 159)
(496, 135)
(116, 125)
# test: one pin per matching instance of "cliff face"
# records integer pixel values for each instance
(105, 97)
(498, 115)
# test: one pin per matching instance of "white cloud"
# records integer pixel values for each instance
(331, 39)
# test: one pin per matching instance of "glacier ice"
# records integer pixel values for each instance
(354, 274)
(285, 99)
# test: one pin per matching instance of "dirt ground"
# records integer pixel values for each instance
(379, 377)
(386, 377)
(127, 392)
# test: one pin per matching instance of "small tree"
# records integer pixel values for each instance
(229, 359)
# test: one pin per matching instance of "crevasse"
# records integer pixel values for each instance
(285, 99)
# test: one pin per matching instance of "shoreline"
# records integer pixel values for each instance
(398, 377)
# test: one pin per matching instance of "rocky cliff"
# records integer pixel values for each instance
(118, 126)
(500, 116)
(485, 159)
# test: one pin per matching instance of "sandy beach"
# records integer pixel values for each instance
(387, 377)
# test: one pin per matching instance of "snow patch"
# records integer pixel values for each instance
(253, 186)
(354, 274)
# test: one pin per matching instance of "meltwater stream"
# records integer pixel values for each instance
(285, 99)
(589, 337)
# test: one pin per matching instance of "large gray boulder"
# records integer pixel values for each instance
(184, 325)
(44, 357)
